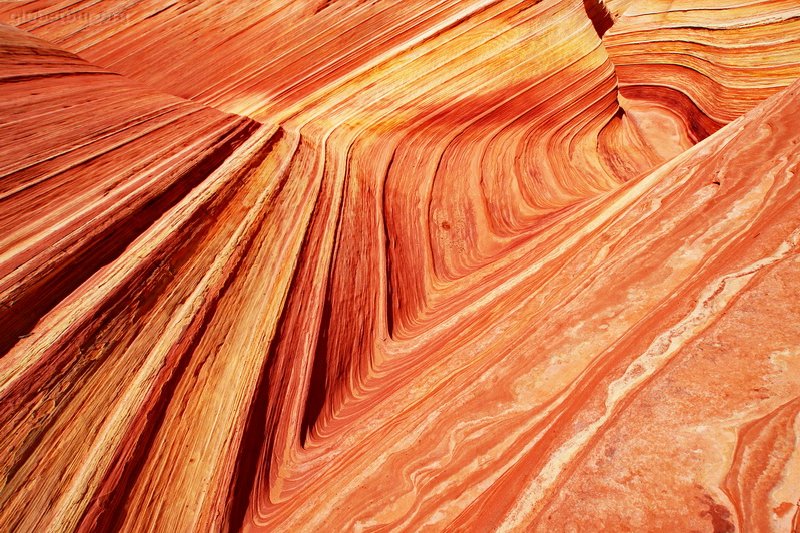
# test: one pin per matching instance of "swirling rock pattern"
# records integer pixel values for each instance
(430, 265)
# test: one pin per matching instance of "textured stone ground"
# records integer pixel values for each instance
(423, 265)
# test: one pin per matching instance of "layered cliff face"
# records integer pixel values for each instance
(708, 61)
(426, 265)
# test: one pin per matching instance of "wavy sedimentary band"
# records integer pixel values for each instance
(709, 61)
(449, 432)
(73, 198)
(454, 266)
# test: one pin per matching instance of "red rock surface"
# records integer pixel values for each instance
(417, 266)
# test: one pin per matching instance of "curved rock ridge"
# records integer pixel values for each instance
(708, 61)
(346, 265)
(557, 104)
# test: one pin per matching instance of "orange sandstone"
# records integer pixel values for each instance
(484, 265)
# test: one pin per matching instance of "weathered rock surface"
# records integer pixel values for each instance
(428, 265)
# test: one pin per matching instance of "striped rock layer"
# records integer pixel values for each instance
(431, 265)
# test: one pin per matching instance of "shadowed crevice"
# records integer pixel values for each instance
(599, 15)
(41, 295)
(109, 508)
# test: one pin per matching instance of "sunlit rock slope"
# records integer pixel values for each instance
(339, 265)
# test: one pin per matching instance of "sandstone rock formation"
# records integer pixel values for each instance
(340, 265)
